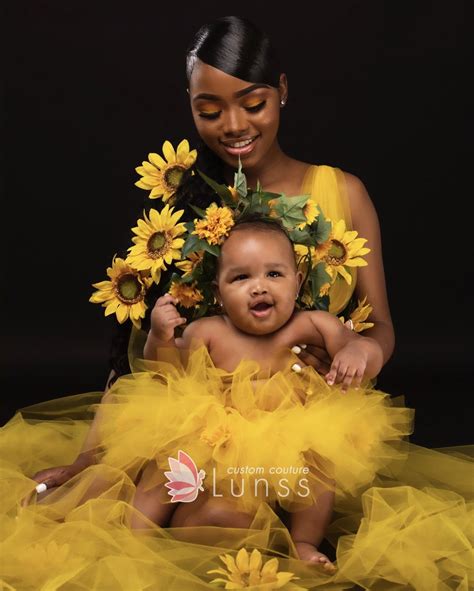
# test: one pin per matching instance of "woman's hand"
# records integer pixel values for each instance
(316, 356)
(53, 477)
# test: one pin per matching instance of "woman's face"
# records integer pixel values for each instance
(234, 117)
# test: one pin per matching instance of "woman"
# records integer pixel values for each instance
(237, 93)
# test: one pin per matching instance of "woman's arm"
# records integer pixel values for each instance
(353, 356)
(371, 279)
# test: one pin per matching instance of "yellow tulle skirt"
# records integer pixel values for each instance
(267, 444)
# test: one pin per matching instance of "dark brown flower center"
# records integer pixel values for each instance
(337, 254)
(173, 176)
(129, 289)
(158, 244)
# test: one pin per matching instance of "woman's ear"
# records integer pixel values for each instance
(283, 89)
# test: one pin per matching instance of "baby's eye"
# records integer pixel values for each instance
(274, 273)
(240, 277)
(256, 108)
(213, 115)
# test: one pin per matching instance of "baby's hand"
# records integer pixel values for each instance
(348, 367)
(165, 317)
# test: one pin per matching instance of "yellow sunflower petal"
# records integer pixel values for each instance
(168, 152)
(356, 262)
(270, 567)
(255, 560)
(156, 192)
(182, 151)
(122, 313)
(157, 160)
(190, 159)
(340, 269)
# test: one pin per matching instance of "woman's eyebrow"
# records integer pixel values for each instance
(238, 94)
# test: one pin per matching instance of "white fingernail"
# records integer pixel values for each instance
(41, 487)
(302, 346)
(296, 367)
(296, 349)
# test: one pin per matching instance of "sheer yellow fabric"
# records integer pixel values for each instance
(327, 186)
(403, 515)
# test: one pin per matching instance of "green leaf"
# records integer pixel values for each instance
(192, 244)
(198, 210)
(318, 276)
(210, 248)
(301, 237)
(322, 230)
(221, 190)
(240, 181)
(290, 210)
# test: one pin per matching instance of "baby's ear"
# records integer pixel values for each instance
(215, 287)
(299, 280)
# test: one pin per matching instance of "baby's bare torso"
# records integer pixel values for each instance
(228, 345)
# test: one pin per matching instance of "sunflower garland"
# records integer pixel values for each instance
(325, 251)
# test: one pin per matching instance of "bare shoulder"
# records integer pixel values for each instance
(359, 199)
(202, 329)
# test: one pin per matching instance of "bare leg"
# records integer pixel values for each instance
(207, 510)
(308, 528)
(153, 503)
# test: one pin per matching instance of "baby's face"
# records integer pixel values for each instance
(257, 282)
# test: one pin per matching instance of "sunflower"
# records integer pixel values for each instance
(187, 294)
(163, 177)
(157, 241)
(188, 265)
(359, 315)
(124, 294)
(216, 225)
(311, 212)
(343, 249)
(246, 571)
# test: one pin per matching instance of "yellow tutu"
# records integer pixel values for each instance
(403, 514)
(271, 438)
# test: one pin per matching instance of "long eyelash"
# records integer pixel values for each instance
(210, 115)
(256, 107)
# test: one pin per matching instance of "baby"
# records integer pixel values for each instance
(256, 286)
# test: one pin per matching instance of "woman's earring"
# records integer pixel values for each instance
(282, 102)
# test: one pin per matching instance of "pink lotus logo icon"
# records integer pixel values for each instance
(184, 479)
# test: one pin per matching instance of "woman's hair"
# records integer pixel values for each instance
(237, 47)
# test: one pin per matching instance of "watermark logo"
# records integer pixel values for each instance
(185, 481)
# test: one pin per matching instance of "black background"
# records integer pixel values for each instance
(376, 88)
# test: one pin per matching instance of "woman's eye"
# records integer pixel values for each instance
(256, 108)
(274, 274)
(214, 115)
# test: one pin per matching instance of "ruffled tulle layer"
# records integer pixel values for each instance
(403, 514)
(280, 439)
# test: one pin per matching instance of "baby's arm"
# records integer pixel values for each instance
(164, 319)
(353, 356)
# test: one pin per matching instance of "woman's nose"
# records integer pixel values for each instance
(235, 122)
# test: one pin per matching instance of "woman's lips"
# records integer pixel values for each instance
(241, 151)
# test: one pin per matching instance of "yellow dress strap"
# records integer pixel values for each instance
(327, 186)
